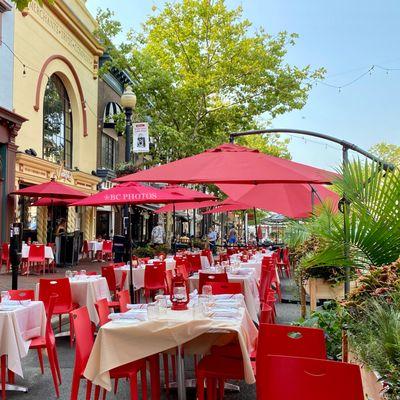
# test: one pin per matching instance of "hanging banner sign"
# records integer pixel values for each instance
(141, 137)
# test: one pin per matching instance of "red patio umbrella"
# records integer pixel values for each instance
(191, 205)
(228, 205)
(130, 193)
(231, 163)
(291, 200)
(51, 189)
(48, 201)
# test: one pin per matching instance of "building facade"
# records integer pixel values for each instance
(10, 122)
(55, 87)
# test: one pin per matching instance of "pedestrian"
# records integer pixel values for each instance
(60, 230)
(212, 239)
(232, 236)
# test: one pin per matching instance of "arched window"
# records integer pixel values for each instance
(57, 123)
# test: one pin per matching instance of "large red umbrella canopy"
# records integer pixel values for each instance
(231, 163)
(50, 189)
(195, 195)
(194, 205)
(130, 193)
(48, 201)
(228, 205)
(291, 200)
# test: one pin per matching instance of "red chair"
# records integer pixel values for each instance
(226, 287)
(223, 257)
(5, 256)
(48, 342)
(92, 273)
(106, 252)
(298, 378)
(284, 264)
(36, 258)
(121, 285)
(269, 263)
(182, 269)
(85, 249)
(124, 300)
(208, 254)
(84, 345)
(22, 294)
(154, 278)
(194, 262)
(108, 273)
(205, 277)
(290, 341)
(267, 314)
(103, 311)
(64, 305)
(168, 280)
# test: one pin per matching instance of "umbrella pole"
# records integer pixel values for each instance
(255, 223)
(131, 290)
(173, 230)
(52, 221)
(194, 224)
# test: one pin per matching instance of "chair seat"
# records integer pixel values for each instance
(62, 309)
(221, 367)
(36, 342)
(128, 369)
(113, 304)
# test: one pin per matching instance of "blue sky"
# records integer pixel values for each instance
(346, 37)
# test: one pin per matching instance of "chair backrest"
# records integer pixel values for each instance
(124, 275)
(294, 341)
(91, 273)
(168, 280)
(36, 251)
(49, 334)
(107, 246)
(124, 299)
(223, 257)
(194, 262)
(108, 273)
(208, 254)
(60, 287)
(154, 276)
(85, 247)
(267, 275)
(22, 294)
(5, 251)
(266, 315)
(102, 310)
(182, 269)
(226, 287)
(308, 379)
(83, 338)
(211, 277)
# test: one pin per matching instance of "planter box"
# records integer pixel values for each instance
(318, 288)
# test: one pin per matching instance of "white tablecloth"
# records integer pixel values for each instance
(17, 327)
(205, 262)
(118, 342)
(250, 290)
(86, 292)
(138, 274)
(48, 252)
(95, 246)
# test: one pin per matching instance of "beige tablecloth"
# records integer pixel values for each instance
(18, 326)
(250, 290)
(86, 292)
(48, 252)
(138, 274)
(119, 342)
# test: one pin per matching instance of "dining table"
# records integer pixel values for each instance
(135, 335)
(86, 290)
(48, 252)
(20, 321)
(247, 277)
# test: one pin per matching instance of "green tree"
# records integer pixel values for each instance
(388, 152)
(21, 4)
(202, 71)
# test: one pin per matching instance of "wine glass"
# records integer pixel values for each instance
(207, 290)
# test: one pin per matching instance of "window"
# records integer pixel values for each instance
(107, 152)
(57, 123)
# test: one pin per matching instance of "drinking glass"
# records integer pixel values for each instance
(82, 272)
(207, 290)
(153, 311)
(161, 301)
(5, 296)
(68, 273)
(74, 274)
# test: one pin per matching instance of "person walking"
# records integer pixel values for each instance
(232, 236)
(212, 239)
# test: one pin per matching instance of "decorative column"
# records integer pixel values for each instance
(71, 219)
(42, 224)
(86, 223)
(168, 229)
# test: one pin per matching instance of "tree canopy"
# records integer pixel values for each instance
(387, 152)
(201, 71)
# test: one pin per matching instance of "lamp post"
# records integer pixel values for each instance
(128, 102)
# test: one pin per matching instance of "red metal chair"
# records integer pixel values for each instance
(284, 264)
(64, 305)
(48, 342)
(22, 294)
(106, 252)
(154, 278)
(194, 262)
(84, 345)
(124, 300)
(226, 287)
(5, 256)
(36, 258)
(108, 273)
(299, 378)
(205, 277)
(103, 311)
(270, 264)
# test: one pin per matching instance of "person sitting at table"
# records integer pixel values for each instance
(60, 230)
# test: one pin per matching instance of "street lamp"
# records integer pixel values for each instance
(128, 102)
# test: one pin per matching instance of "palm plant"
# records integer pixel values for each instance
(373, 224)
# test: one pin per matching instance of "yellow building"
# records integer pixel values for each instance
(56, 89)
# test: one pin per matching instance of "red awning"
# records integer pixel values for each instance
(231, 163)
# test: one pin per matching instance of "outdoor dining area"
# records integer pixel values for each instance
(137, 324)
